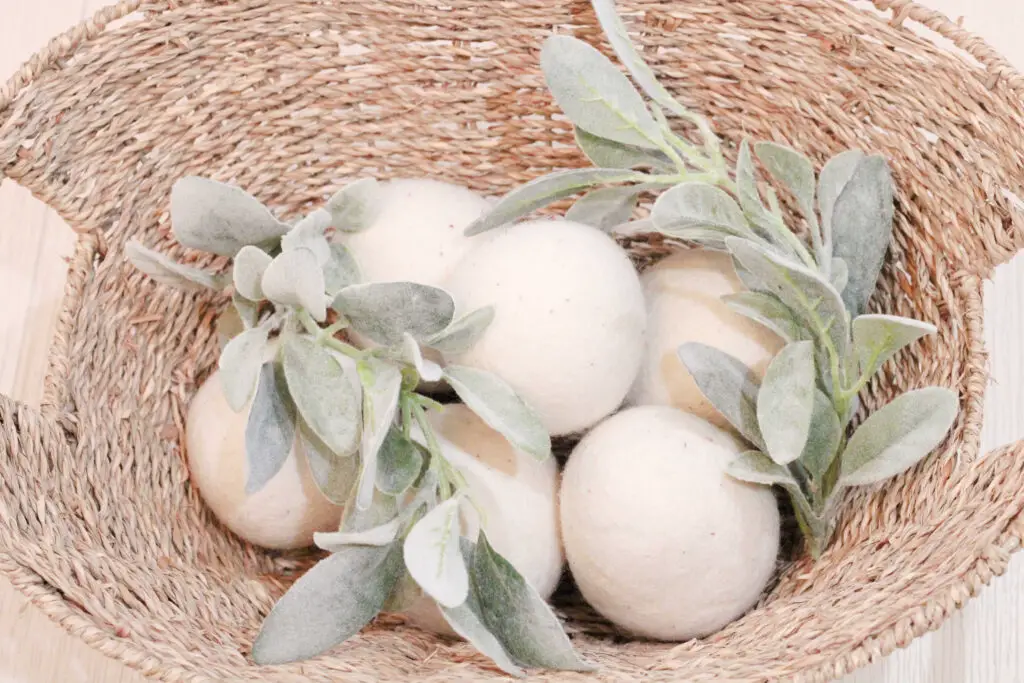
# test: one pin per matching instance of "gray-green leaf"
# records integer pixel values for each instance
(247, 271)
(839, 274)
(877, 338)
(308, 233)
(270, 429)
(341, 269)
(248, 311)
(399, 463)
(898, 435)
(334, 541)
(605, 153)
(240, 365)
(167, 271)
(385, 311)
(698, 205)
(595, 95)
(794, 171)
(329, 604)
(862, 227)
(750, 199)
(831, 182)
(755, 467)
(546, 189)
(497, 404)
(767, 310)
(333, 474)
(220, 218)
(730, 385)
(605, 207)
(325, 398)
(433, 558)
(380, 403)
(823, 439)
(428, 370)
(517, 616)
(295, 278)
(355, 207)
(463, 333)
(786, 401)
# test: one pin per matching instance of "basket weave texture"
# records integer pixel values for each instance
(289, 98)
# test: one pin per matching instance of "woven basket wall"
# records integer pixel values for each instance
(288, 98)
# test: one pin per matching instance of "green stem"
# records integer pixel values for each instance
(303, 316)
(438, 464)
(338, 326)
(347, 349)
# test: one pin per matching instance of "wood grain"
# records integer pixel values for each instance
(981, 644)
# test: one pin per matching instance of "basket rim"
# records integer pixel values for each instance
(992, 560)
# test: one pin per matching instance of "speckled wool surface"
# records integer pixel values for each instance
(659, 538)
(100, 527)
(568, 329)
(684, 304)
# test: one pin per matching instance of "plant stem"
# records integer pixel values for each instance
(303, 316)
(347, 349)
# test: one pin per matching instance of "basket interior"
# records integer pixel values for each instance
(289, 99)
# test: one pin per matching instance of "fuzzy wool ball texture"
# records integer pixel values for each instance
(568, 331)
(659, 539)
(684, 304)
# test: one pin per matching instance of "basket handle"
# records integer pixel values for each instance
(998, 68)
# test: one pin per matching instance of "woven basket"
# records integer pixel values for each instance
(98, 523)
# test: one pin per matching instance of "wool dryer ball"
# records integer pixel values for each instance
(517, 495)
(418, 234)
(659, 538)
(684, 305)
(568, 331)
(282, 515)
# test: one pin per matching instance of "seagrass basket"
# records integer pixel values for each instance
(289, 98)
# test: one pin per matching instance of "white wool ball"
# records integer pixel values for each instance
(284, 513)
(518, 497)
(418, 234)
(659, 538)
(568, 330)
(684, 305)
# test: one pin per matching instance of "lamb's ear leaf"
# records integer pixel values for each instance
(840, 274)
(248, 310)
(876, 338)
(785, 402)
(833, 178)
(341, 269)
(546, 189)
(463, 333)
(329, 604)
(247, 271)
(793, 171)
(380, 403)
(862, 228)
(308, 233)
(399, 463)
(295, 278)
(605, 207)
(698, 205)
(520, 620)
(270, 429)
(325, 398)
(356, 206)
(240, 365)
(333, 474)
(411, 353)
(728, 384)
(750, 198)
(334, 541)
(385, 311)
(595, 95)
(898, 435)
(497, 404)
(220, 218)
(755, 467)
(433, 558)
(823, 440)
(605, 153)
(767, 310)
(167, 271)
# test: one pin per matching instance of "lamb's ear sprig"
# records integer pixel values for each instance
(357, 418)
(812, 293)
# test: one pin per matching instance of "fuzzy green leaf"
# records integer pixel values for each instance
(840, 274)
(341, 269)
(405, 594)
(248, 311)
(862, 227)
(698, 205)
(220, 218)
(767, 310)
(385, 311)
(760, 217)
(605, 153)
(823, 439)
(833, 178)
(433, 558)
(334, 475)
(897, 436)
(240, 366)
(335, 541)
(380, 403)
(325, 398)
(399, 463)
(295, 278)
(794, 171)
(270, 429)
(308, 233)
(546, 189)
(595, 95)
(605, 207)
(876, 338)
(786, 401)
(247, 271)
(167, 271)
(428, 370)
(517, 616)
(755, 467)
(356, 206)
(329, 604)
(463, 333)
(383, 509)
(728, 384)
(497, 404)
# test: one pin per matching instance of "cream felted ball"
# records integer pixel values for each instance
(568, 330)
(282, 515)
(659, 538)
(517, 495)
(417, 236)
(684, 304)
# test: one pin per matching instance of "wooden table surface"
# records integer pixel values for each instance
(984, 643)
